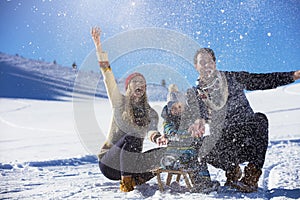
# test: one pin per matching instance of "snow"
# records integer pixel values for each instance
(42, 156)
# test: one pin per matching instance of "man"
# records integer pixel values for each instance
(238, 134)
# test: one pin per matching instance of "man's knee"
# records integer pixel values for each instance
(262, 125)
(262, 119)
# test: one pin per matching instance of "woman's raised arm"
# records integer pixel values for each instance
(96, 32)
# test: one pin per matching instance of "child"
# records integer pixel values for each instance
(177, 117)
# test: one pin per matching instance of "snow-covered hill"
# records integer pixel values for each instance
(31, 79)
(44, 156)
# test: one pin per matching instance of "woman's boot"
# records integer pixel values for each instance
(127, 183)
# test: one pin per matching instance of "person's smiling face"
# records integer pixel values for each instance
(137, 87)
(205, 65)
(177, 109)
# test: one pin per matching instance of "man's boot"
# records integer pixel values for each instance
(249, 182)
(233, 176)
(251, 178)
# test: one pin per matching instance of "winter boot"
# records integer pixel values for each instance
(233, 176)
(127, 184)
(205, 185)
(249, 182)
(251, 178)
(143, 178)
(202, 182)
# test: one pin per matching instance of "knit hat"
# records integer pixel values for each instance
(170, 104)
(130, 77)
(175, 97)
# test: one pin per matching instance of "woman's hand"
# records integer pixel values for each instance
(162, 140)
(96, 31)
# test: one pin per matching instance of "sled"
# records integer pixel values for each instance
(180, 173)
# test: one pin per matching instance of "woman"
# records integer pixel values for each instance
(121, 156)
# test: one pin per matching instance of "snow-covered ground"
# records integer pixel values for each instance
(42, 155)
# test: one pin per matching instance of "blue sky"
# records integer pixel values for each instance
(252, 35)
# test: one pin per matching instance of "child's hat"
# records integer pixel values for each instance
(173, 99)
(170, 104)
